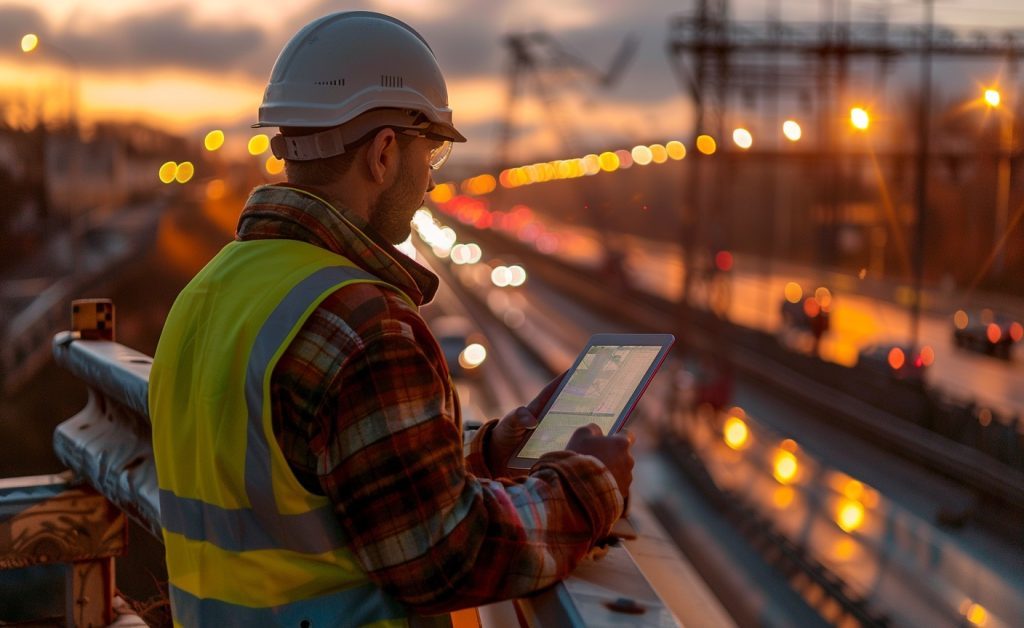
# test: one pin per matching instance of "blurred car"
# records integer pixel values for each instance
(463, 345)
(986, 331)
(806, 312)
(897, 360)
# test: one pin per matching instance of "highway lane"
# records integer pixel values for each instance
(860, 315)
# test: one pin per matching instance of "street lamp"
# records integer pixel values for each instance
(994, 100)
(859, 118)
(791, 129)
(743, 138)
(30, 42)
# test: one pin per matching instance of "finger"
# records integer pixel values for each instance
(629, 436)
(522, 419)
(590, 429)
(544, 395)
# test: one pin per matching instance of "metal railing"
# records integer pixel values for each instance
(107, 447)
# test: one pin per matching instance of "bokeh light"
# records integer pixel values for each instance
(29, 42)
(742, 138)
(258, 144)
(214, 140)
(167, 171)
(706, 144)
(791, 129)
(184, 172)
(274, 165)
(675, 150)
(859, 118)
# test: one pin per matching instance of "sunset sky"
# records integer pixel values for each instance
(192, 66)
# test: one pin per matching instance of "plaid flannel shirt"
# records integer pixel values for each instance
(364, 411)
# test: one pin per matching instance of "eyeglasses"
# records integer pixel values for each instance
(438, 155)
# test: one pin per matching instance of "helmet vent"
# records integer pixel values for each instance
(388, 80)
(340, 82)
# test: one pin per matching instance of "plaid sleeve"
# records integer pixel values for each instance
(474, 448)
(423, 527)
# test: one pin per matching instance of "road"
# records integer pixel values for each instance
(864, 311)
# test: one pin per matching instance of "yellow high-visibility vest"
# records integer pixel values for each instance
(246, 544)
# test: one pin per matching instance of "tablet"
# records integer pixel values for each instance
(602, 387)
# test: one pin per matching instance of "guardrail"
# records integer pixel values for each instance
(107, 446)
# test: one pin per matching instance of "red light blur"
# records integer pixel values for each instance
(993, 333)
(811, 307)
(896, 358)
(1016, 331)
(723, 260)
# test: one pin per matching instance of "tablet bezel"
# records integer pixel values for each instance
(664, 341)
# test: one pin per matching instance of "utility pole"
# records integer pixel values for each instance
(923, 128)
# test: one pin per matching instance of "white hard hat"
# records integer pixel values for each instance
(346, 64)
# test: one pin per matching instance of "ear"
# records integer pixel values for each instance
(382, 155)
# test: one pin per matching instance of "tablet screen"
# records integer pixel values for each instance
(598, 391)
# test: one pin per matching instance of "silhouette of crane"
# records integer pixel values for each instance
(537, 57)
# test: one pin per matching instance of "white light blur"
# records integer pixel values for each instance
(472, 356)
(501, 276)
(407, 247)
(517, 275)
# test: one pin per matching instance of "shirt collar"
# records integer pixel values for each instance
(296, 213)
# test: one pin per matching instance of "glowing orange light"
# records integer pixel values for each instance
(993, 333)
(735, 432)
(443, 193)
(782, 497)
(274, 165)
(850, 515)
(785, 466)
(1016, 331)
(976, 614)
(675, 149)
(794, 292)
(992, 97)
(706, 144)
(216, 189)
(960, 319)
(608, 161)
(896, 358)
(824, 297)
(659, 154)
(927, 355)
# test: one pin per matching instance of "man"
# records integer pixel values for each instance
(306, 432)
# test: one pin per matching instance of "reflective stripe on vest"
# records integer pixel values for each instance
(344, 608)
(249, 558)
(262, 526)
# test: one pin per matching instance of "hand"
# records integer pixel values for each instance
(614, 451)
(514, 427)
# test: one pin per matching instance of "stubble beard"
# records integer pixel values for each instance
(392, 213)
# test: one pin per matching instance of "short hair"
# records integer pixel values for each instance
(324, 171)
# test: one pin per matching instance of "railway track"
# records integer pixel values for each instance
(835, 597)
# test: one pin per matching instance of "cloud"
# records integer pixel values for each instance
(167, 38)
(16, 21)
